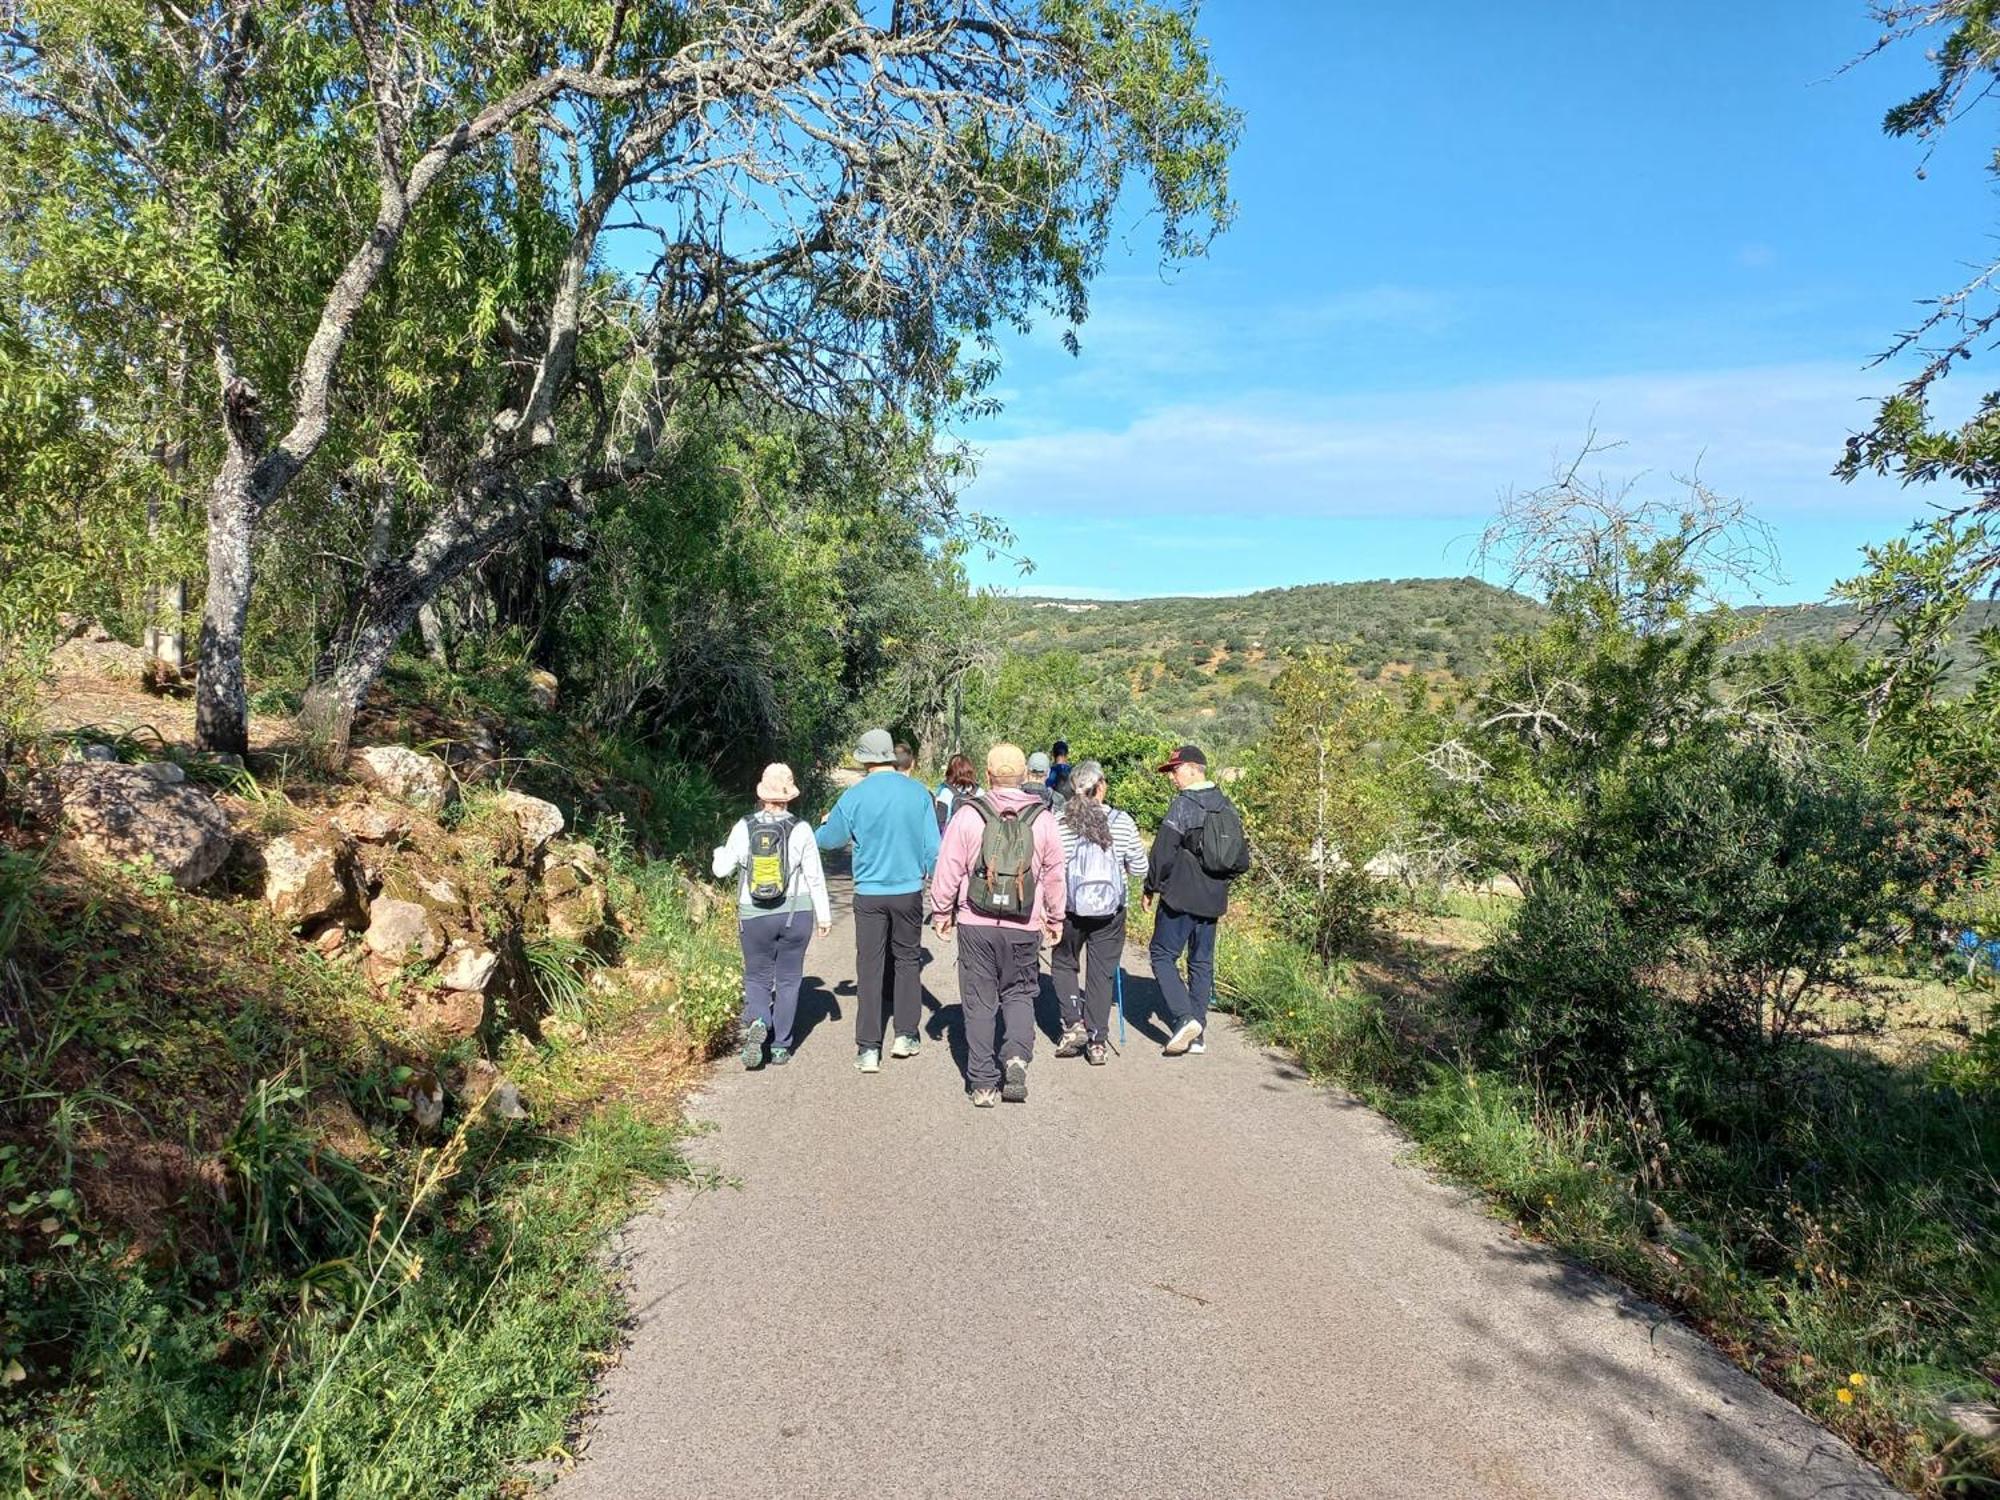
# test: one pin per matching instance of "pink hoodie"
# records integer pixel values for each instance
(960, 852)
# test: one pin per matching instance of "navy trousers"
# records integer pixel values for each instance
(774, 960)
(1176, 933)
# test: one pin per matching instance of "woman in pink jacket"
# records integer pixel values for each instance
(999, 883)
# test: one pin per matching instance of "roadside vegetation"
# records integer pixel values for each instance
(1663, 948)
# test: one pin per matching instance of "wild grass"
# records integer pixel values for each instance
(204, 1293)
(1838, 1217)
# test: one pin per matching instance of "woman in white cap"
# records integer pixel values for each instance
(780, 900)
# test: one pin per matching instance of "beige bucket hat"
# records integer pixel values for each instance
(778, 784)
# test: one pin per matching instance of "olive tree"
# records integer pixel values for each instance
(829, 205)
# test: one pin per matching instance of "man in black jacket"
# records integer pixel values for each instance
(1191, 900)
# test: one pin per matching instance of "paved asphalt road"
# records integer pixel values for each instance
(1195, 1277)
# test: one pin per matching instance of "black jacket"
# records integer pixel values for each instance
(1176, 875)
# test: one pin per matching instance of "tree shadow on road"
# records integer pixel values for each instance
(1628, 1397)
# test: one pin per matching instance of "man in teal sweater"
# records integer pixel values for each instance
(889, 820)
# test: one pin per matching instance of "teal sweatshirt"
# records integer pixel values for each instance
(893, 827)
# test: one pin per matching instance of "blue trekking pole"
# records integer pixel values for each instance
(1118, 987)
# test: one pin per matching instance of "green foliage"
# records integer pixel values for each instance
(1203, 669)
(1320, 801)
(200, 1291)
(557, 967)
(1843, 1219)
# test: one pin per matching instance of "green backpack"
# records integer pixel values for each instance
(1003, 881)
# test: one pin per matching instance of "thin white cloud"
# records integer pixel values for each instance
(1768, 434)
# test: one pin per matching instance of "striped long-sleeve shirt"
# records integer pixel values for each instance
(1126, 846)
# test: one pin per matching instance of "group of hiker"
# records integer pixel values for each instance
(1033, 855)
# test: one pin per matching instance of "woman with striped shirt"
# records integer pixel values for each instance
(1101, 852)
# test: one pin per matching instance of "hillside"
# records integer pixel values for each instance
(1811, 624)
(1202, 667)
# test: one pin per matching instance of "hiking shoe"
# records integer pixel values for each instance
(1015, 1089)
(780, 1056)
(1072, 1040)
(985, 1098)
(753, 1044)
(1185, 1037)
(906, 1046)
(868, 1060)
(1093, 1052)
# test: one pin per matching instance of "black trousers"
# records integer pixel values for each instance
(888, 959)
(1094, 946)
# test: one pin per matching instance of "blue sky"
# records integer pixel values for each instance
(1466, 233)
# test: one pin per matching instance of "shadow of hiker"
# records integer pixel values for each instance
(817, 1003)
(1145, 1008)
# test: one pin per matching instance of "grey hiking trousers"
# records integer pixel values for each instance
(999, 975)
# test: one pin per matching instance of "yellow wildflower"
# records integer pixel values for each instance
(1857, 1380)
(1844, 1396)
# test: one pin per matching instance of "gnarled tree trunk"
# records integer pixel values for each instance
(397, 593)
(221, 707)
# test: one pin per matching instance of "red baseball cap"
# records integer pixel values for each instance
(1187, 755)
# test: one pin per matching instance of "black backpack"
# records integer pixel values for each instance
(1003, 881)
(771, 861)
(1220, 845)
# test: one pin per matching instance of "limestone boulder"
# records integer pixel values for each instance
(311, 879)
(468, 966)
(577, 905)
(481, 1085)
(420, 780)
(539, 821)
(544, 690)
(451, 1015)
(372, 822)
(121, 814)
(402, 932)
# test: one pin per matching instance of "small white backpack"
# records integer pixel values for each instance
(1096, 883)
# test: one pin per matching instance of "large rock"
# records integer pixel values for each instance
(96, 652)
(401, 932)
(421, 780)
(124, 815)
(469, 966)
(451, 1015)
(577, 906)
(310, 879)
(540, 821)
(372, 822)
(544, 690)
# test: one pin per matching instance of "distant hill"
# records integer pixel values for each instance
(1202, 667)
(1447, 624)
(1800, 624)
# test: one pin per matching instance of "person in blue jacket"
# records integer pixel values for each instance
(888, 819)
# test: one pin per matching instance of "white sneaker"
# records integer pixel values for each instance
(1187, 1036)
(869, 1060)
(1197, 1047)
